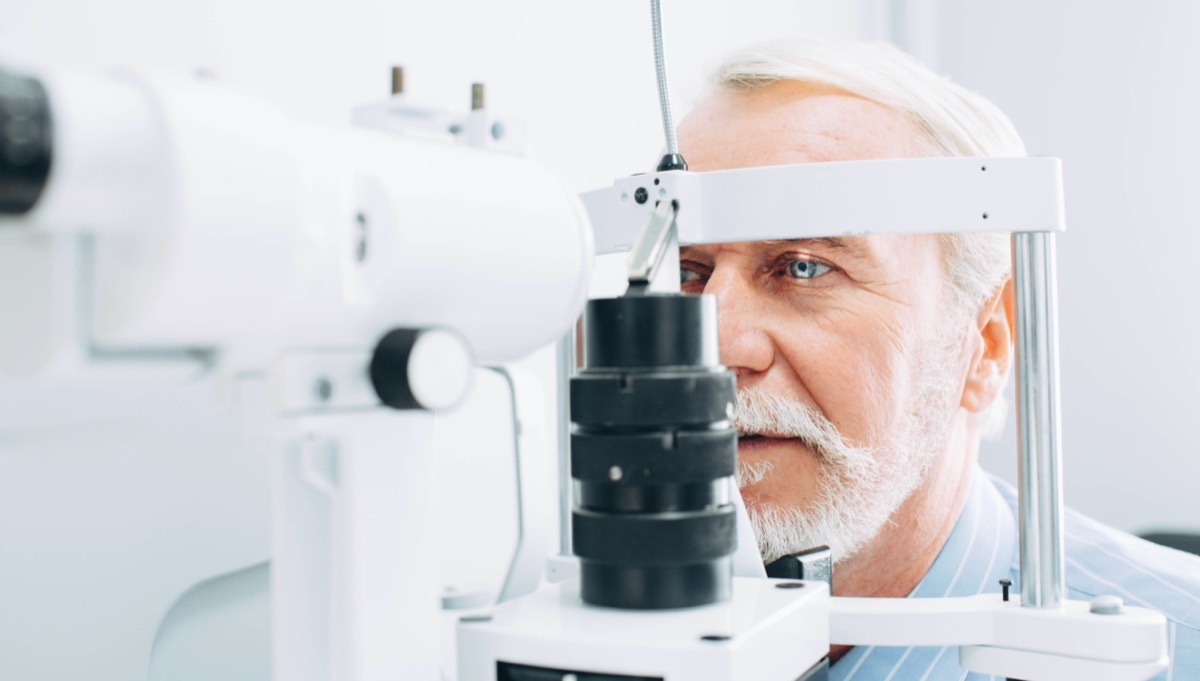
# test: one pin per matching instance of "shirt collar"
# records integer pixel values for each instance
(979, 553)
(980, 550)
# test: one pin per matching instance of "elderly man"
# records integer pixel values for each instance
(868, 368)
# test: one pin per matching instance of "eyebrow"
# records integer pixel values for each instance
(830, 241)
(852, 248)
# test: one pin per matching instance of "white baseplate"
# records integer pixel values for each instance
(774, 634)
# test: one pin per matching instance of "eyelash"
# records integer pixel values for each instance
(787, 262)
(781, 267)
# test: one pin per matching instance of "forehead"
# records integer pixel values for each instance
(796, 122)
(793, 122)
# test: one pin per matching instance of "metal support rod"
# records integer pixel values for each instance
(1039, 469)
(652, 245)
(566, 369)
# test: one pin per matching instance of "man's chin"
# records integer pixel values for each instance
(760, 501)
(783, 470)
(753, 499)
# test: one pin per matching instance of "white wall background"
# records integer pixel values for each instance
(1114, 89)
(163, 466)
(580, 73)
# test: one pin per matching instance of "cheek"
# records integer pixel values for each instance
(856, 369)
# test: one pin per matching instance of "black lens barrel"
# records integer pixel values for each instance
(651, 451)
(651, 332)
(26, 142)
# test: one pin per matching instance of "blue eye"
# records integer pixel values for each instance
(806, 269)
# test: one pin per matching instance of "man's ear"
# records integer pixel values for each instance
(993, 355)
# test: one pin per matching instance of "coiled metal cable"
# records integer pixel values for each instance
(660, 68)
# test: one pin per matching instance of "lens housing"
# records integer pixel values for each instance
(652, 453)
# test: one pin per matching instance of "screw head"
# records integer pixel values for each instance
(1106, 605)
(615, 473)
(715, 637)
(641, 195)
(1004, 585)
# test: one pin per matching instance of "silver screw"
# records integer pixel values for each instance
(1107, 605)
(615, 473)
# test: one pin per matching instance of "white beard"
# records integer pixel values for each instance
(860, 488)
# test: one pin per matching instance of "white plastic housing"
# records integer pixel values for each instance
(1000, 637)
(226, 225)
(109, 154)
(763, 633)
(355, 589)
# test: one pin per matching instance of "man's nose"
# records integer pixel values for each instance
(746, 347)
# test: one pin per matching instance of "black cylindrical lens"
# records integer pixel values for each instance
(652, 451)
(26, 142)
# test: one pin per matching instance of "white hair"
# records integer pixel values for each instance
(953, 121)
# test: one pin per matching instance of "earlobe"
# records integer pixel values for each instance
(994, 354)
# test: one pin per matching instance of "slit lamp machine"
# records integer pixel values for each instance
(186, 220)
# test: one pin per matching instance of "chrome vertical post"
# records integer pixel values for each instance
(1040, 505)
(566, 369)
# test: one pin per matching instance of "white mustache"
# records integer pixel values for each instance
(846, 513)
(760, 412)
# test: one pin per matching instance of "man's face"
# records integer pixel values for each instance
(846, 356)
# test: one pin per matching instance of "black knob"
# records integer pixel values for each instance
(26, 142)
(421, 369)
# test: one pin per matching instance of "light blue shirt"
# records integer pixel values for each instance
(982, 550)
